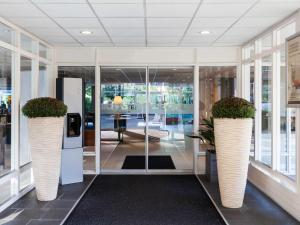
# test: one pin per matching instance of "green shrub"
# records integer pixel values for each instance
(206, 131)
(233, 107)
(44, 107)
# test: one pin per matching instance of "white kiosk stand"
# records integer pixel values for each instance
(70, 90)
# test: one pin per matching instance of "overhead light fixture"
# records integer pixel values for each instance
(86, 32)
(174, 69)
(205, 32)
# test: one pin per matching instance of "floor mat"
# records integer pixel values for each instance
(154, 161)
(145, 200)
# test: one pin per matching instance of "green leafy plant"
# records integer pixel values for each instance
(234, 108)
(206, 132)
(44, 107)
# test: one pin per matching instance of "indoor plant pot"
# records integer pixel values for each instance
(45, 132)
(233, 128)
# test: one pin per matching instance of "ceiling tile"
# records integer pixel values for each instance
(126, 32)
(59, 1)
(67, 10)
(229, 1)
(117, 1)
(78, 22)
(256, 21)
(42, 22)
(222, 10)
(213, 22)
(128, 39)
(200, 39)
(60, 39)
(123, 22)
(20, 10)
(165, 32)
(280, 9)
(171, 10)
(167, 22)
(173, 1)
(44, 32)
(213, 32)
(164, 39)
(119, 10)
(244, 31)
(227, 44)
(85, 39)
(14, 1)
(98, 44)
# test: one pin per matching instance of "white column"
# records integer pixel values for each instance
(97, 111)
(196, 142)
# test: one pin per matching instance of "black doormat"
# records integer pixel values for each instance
(154, 161)
(145, 200)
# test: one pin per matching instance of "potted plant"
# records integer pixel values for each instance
(206, 134)
(45, 132)
(233, 127)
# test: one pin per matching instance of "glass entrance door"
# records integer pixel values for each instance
(123, 118)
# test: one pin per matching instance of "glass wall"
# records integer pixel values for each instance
(5, 110)
(215, 82)
(171, 116)
(20, 79)
(276, 121)
(25, 95)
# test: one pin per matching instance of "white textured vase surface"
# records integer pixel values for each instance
(45, 138)
(232, 139)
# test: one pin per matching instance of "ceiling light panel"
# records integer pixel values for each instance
(67, 10)
(123, 22)
(119, 10)
(20, 10)
(94, 31)
(171, 10)
(167, 22)
(222, 10)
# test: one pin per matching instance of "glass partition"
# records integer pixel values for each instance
(28, 44)
(25, 95)
(123, 118)
(5, 110)
(6, 34)
(43, 80)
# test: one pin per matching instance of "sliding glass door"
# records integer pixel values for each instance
(144, 115)
(123, 118)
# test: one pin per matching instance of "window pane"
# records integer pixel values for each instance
(43, 84)
(287, 127)
(6, 191)
(28, 44)
(25, 95)
(26, 178)
(6, 34)
(215, 82)
(286, 31)
(266, 113)
(5, 110)
(249, 52)
(266, 43)
(249, 70)
(44, 51)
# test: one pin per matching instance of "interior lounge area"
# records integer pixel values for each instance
(149, 112)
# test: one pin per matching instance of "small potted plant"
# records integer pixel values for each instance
(233, 127)
(206, 134)
(45, 132)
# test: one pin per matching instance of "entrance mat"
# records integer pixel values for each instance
(154, 161)
(145, 200)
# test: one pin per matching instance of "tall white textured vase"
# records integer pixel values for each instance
(232, 140)
(45, 138)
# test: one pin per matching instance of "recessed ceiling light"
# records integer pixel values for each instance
(174, 69)
(204, 32)
(86, 32)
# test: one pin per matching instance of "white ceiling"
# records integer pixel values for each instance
(146, 22)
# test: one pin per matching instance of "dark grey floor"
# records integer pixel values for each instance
(257, 209)
(29, 211)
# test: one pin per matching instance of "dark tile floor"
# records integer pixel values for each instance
(29, 211)
(257, 209)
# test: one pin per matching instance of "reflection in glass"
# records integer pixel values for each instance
(25, 95)
(250, 70)
(5, 110)
(287, 127)
(216, 82)
(44, 51)
(43, 82)
(123, 116)
(6, 34)
(171, 110)
(266, 113)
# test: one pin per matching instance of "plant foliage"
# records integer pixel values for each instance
(234, 108)
(206, 131)
(44, 107)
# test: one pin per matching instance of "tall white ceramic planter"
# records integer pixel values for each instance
(232, 140)
(45, 138)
